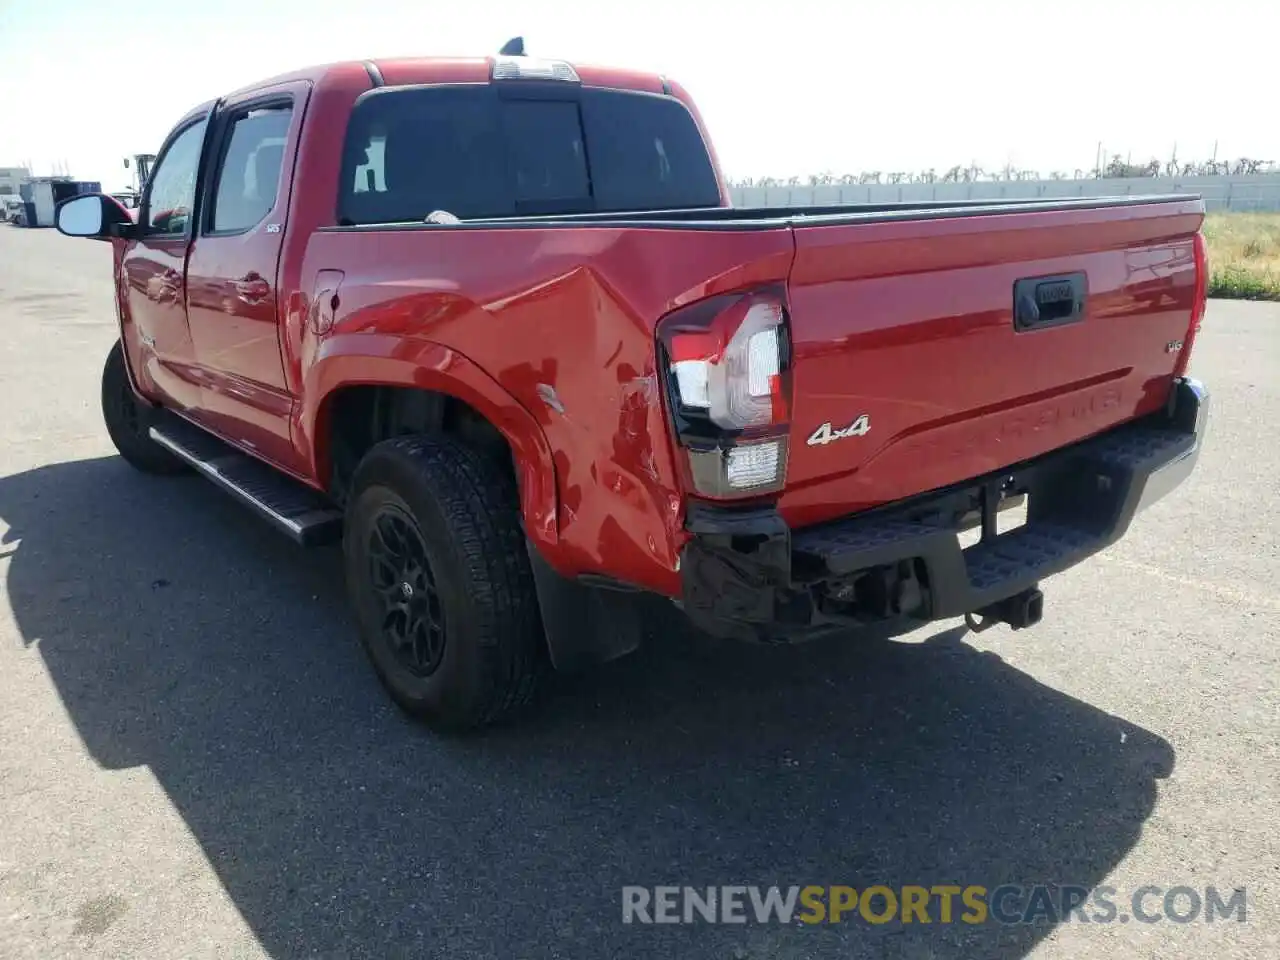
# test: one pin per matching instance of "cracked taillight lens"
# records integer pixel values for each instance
(728, 386)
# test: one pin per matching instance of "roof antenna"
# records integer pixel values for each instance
(512, 48)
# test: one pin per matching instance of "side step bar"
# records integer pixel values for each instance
(291, 507)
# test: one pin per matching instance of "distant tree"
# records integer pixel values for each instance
(1120, 168)
(1246, 167)
(1116, 166)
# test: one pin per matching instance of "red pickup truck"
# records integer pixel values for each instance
(494, 323)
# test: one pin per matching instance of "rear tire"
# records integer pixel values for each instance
(128, 419)
(439, 577)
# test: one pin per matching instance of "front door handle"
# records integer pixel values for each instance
(252, 288)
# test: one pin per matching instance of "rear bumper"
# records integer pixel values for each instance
(746, 573)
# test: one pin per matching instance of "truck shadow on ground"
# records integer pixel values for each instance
(183, 636)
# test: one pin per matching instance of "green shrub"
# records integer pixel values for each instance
(1244, 255)
(1240, 283)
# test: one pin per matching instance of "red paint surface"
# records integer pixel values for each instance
(549, 333)
(911, 323)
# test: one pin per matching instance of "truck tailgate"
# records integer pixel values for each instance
(912, 372)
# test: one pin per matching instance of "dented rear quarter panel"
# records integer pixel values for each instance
(562, 320)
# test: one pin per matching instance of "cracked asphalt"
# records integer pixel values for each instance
(196, 761)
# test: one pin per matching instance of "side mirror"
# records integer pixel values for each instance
(92, 215)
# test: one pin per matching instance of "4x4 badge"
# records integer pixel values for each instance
(824, 434)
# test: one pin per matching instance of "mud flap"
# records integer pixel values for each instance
(585, 625)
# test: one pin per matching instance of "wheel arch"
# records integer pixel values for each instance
(354, 362)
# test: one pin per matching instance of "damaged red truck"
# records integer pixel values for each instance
(494, 324)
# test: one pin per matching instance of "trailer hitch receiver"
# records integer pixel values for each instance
(1024, 609)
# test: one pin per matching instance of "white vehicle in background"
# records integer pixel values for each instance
(10, 208)
(127, 198)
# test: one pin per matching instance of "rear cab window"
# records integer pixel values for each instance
(475, 151)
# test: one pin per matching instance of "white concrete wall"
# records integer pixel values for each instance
(10, 177)
(1261, 192)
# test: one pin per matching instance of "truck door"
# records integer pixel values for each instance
(233, 298)
(152, 266)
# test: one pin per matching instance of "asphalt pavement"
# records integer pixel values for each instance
(196, 760)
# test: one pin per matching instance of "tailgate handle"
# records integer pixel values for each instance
(1040, 302)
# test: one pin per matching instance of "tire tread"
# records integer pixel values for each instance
(480, 507)
(139, 451)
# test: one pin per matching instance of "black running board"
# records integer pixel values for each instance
(294, 509)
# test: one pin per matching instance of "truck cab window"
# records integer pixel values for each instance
(477, 154)
(249, 175)
(172, 189)
(646, 153)
(410, 153)
(544, 143)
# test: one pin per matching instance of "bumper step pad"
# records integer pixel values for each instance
(1081, 500)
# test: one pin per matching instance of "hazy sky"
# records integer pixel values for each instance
(786, 88)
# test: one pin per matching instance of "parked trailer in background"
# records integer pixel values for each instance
(40, 195)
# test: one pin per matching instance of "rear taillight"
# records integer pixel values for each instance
(728, 387)
(1199, 302)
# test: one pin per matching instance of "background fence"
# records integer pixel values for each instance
(1257, 192)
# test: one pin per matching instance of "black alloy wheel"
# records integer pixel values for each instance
(413, 624)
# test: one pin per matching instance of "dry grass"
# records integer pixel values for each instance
(1244, 255)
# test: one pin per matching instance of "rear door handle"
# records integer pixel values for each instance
(1040, 302)
(252, 288)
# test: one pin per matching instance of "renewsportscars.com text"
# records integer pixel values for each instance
(973, 904)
